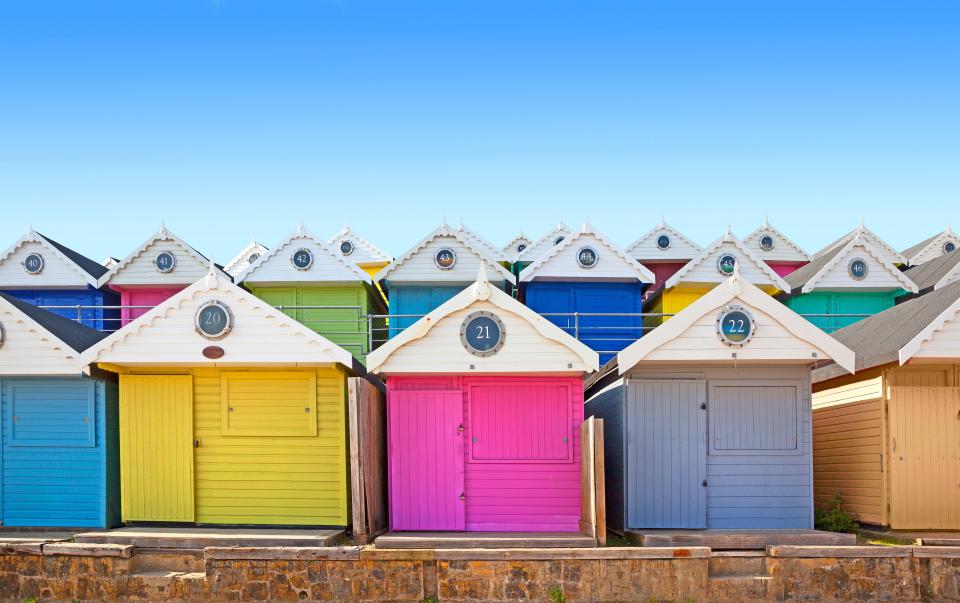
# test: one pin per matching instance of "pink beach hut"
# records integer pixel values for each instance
(484, 405)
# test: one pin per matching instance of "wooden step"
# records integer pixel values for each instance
(200, 538)
(482, 540)
(739, 539)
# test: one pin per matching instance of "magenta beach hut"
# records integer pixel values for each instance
(484, 406)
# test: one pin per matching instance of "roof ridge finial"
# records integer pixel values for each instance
(300, 228)
(585, 227)
(862, 226)
(483, 282)
(212, 278)
(163, 229)
(736, 280)
(727, 236)
(949, 230)
(766, 221)
(663, 222)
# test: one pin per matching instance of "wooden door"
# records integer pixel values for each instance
(425, 447)
(156, 448)
(666, 454)
(924, 449)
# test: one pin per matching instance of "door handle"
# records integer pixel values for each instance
(462, 496)
(196, 443)
(460, 428)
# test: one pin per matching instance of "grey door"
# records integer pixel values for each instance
(666, 454)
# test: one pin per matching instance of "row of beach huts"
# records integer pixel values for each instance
(739, 384)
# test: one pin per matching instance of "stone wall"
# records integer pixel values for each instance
(67, 572)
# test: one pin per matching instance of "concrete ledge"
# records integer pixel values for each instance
(574, 553)
(375, 554)
(213, 553)
(78, 549)
(937, 552)
(812, 552)
(22, 547)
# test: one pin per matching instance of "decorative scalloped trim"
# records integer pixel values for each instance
(728, 237)
(303, 233)
(254, 246)
(520, 238)
(910, 349)
(767, 228)
(161, 235)
(56, 344)
(656, 230)
(810, 285)
(371, 248)
(559, 229)
(643, 273)
(35, 237)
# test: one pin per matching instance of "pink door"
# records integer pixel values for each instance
(143, 297)
(425, 443)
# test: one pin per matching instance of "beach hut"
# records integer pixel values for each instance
(932, 248)
(846, 284)
(231, 412)
(886, 252)
(707, 418)
(441, 265)
(590, 288)
(776, 249)
(59, 438)
(249, 255)
(887, 439)
(533, 251)
(484, 406)
(664, 250)
(711, 266)
(351, 246)
(159, 268)
(936, 273)
(318, 287)
(42, 272)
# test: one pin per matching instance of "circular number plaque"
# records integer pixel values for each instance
(663, 242)
(766, 242)
(445, 259)
(214, 320)
(482, 334)
(949, 246)
(33, 263)
(727, 263)
(521, 247)
(858, 269)
(587, 257)
(253, 258)
(165, 261)
(302, 259)
(346, 247)
(559, 240)
(735, 325)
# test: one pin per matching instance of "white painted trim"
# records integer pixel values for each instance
(674, 234)
(642, 273)
(862, 230)
(913, 346)
(70, 356)
(558, 230)
(767, 228)
(481, 290)
(300, 233)
(778, 281)
(520, 238)
(34, 237)
(949, 278)
(857, 241)
(374, 250)
(240, 258)
(161, 235)
(735, 287)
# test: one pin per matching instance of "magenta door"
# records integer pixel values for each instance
(149, 297)
(426, 453)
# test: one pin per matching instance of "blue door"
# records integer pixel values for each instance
(666, 460)
(65, 302)
(409, 304)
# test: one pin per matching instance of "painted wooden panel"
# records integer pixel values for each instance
(327, 266)
(944, 343)
(856, 391)
(426, 460)
(259, 477)
(270, 403)
(408, 304)
(608, 405)
(53, 453)
(863, 303)
(189, 268)
(34, 354)
(517, 422)
(421, 268)
(143, 296)
(784, 268)
(924, 453)
(663, 270)
(94, 316)
(753, 419)
(666, 452)
(564, 265)
(156, 448)
(706, 270)
(56, 272)
(879, 275)
(848, 456)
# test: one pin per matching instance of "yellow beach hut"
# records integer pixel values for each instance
(231, 412)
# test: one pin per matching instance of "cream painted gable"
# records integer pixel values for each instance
(784, 249)
(364, 252)
(512, 248)
(881, 276)
(138, 268)
(780, 336)
(531, 343)
(943, 343)
(704, 268)
(242, 260)
(481, 244)
(277, 266)
(261, 334)
(885, 251)
(29, 349)
(58, 271)
(935, 249)
(544, 244)
(949, 278)
(560, 262)
(645, 249)
(418, 265)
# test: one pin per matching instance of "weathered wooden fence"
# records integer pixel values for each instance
(368, 457)
(593, 517)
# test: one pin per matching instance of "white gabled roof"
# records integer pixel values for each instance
(784, 249)
(531, 343)
(482, 244)
(681, 248)
(364, 252)
(261, 335)
(703, 267)
(932, 248)
(889, 253)
(510, 249)
(543, 244)
(161, 236)
(275, 266)
(242, 260)
(829, 271)
(690, 336)
(70, 268)
(560, 261)
(941, 337)
(457, 234)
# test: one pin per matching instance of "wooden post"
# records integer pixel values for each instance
(599, 483)
(368, 457)
(593, 508)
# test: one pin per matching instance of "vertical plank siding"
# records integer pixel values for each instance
(142, 296)
(608, 405)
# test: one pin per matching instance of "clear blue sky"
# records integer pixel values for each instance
(236, 119)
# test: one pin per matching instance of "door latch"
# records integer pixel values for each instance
(460, 428)
(462, 496)
(703, 406)
(704, 483)
(196, 443)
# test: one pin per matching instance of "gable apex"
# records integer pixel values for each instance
(138, 267)
(321, 263)
(679, 246)
(704, 267)
(562, 261)
(784, 248)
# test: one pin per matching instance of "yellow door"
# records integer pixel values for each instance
(156, 448)
(924, 448)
